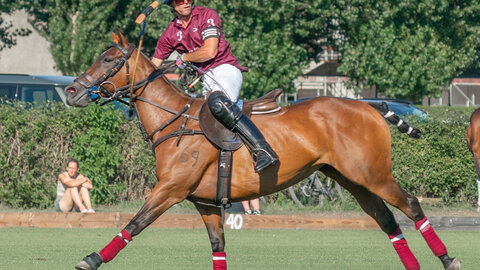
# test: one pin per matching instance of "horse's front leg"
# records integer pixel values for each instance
(212, 217)
(163, 196)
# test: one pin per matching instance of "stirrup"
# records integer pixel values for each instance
(272, 159)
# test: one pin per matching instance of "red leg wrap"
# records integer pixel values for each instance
(403, 251)
(219, 261)
(431, 237)
(118, 243)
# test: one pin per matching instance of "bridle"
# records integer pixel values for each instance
(96, 86)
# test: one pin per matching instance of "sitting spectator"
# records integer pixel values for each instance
(73, 190)
(255, 205)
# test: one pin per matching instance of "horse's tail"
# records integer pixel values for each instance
(403, 127)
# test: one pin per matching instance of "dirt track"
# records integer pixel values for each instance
(119, 220)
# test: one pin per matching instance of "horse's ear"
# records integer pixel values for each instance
(118, 38)
(123, 40)
(115, 37)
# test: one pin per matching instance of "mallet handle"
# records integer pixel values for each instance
(146, 12)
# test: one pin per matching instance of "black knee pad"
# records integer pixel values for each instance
(223, 109)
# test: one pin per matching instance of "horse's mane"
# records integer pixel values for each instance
(162, 70)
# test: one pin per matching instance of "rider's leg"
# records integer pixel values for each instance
(225, 81)
(232, 117)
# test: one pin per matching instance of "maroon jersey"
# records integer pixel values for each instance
(205, 23)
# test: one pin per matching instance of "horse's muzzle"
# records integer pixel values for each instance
(76, 95)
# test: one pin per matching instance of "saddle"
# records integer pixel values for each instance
(221, 137)
(227, 141)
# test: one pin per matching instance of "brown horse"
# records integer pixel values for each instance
(347, 140)
(473, 143)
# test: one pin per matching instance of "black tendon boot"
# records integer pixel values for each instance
(232, 118)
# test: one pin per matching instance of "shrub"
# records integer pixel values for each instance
(36, 142)
(439, 164)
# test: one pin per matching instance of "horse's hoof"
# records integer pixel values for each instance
(454, 265)
(91, 262)
(83, 265)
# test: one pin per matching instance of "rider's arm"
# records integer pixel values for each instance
(205, 53)
(157, 61)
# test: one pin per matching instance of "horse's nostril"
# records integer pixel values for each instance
(71, 90)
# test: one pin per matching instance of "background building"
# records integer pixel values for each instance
(31, 54)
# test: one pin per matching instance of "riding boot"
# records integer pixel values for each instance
(232, 118)
(262, 154)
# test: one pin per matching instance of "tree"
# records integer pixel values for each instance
(80, 30)
(405, 49)
(269, 40)
(408, 49)
(275, 39)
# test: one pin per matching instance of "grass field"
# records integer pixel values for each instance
(34, 248)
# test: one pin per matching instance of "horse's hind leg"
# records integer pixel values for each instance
(376, 208)
(393, 194)
(212, 217)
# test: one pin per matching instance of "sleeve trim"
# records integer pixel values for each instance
(211, 31)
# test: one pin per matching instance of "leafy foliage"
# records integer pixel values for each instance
(404, 49)
(7, 34)
(408, 49)
(274, 40)
(439, 164)
(35, 144)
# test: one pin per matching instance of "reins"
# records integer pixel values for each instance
(96, 87)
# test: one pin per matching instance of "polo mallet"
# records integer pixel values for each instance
(202, 73)
(146, 12)
(141, 18)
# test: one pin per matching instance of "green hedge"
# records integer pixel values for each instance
(439, 164)
(36, 142)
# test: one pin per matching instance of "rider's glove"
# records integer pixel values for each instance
(180, 63)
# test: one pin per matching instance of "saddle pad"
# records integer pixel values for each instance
(216, 133)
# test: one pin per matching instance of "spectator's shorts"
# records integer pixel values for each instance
(57, 204)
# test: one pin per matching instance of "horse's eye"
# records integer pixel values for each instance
(107, 60)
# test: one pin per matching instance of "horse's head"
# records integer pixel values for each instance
(109, 72)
